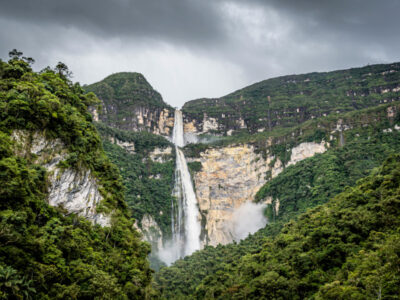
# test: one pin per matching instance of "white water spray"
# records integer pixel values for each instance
(185, 222)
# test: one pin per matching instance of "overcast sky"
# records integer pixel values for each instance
(189, 49)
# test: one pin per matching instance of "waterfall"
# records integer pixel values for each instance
(185, 223)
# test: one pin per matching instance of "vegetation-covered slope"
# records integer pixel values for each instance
(289, 100)
(148, 183)
(46, 253)
(128, 102)
(370, 136)
(345, 249)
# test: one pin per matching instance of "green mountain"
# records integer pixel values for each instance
(147, 164)
(290, 100)
(129, 102)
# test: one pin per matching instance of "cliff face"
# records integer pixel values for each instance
(77, 191)
(140, 118)
(231, 176)
(129, 102)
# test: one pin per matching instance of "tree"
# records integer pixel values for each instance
(15, 54)
(63, 71)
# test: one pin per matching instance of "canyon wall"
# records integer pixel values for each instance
(231, 176)
(141, 118)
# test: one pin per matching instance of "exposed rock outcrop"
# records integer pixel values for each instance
(155, 120)
(76, 191)
(231, 176)
(305, 150)
(128, 146)
(151, 232)
(161, 155)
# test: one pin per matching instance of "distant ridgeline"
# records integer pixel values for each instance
(290, 100)
(130, 103)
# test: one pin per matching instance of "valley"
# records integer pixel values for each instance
(285, 189)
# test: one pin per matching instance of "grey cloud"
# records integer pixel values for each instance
(292, 36)
(179, 20)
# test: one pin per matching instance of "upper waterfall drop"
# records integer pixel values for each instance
(177, 134)
(185, 223)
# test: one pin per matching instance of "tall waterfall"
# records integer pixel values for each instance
(185, 223)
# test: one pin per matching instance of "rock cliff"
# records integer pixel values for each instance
(231, 176)
(77, 191)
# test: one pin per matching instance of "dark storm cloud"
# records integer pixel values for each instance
(185, 21)
(201, 23)
(212, 46)
(361, 19)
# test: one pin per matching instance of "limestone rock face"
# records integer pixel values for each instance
(151, 232)
(195, 127)
(76, 191)
(128, 146)
(161, 155)
(209, 124)
(231, 176)
(305, 150)
(155, 120)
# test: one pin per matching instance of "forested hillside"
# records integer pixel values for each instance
(148, 181)
(48, 252)
(345, 249)
(324, 240)
(129, 102)
(290, 100)
(147, 164)
(363, 141)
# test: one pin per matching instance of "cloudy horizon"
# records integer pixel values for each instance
(190, 49)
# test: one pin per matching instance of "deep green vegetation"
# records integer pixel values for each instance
(315, 180)
(345, 249)
(300, 187)
(327, 241)
(45, 254)
(124, 96)
(127, 86)
(279, 141)
(290, 100)
(149, 184)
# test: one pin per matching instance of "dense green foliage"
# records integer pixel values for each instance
(302, 186)
(148, 183)
(127, 86)
(289, 100)
(123, 96)
(315, 180)
(45, 254)
(181, 280)
(279, 141)
(345, 249)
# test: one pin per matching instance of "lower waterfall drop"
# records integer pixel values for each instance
(185, 222)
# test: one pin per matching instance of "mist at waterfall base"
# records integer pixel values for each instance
(247, 219)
